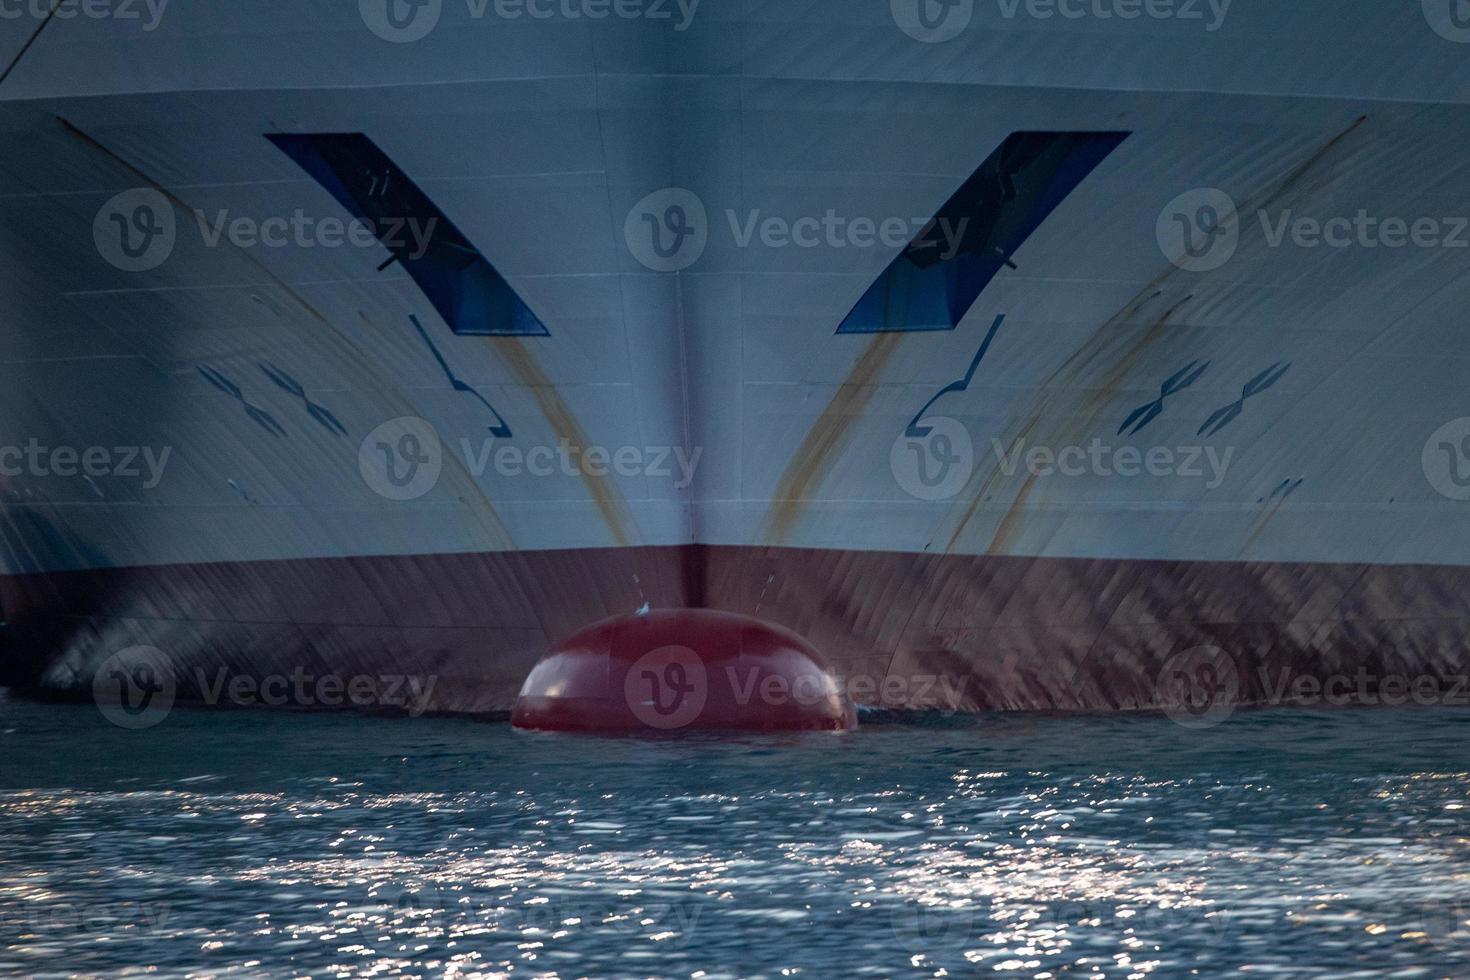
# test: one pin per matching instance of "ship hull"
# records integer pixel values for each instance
(1031, 364)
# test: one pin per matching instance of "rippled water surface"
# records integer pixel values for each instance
(1279, 844)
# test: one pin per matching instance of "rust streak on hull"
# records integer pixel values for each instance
(819, 450)
(604, 493)
(1010, 525)
(1073, 396)
(1066, 380)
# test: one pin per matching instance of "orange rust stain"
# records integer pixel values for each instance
(1023, 434)
(1295, 175)
(605, 494)
(1101, 396)
(1010, 525)
(1096, 400)
(1066, 380)
(1112, 352)
(819, 450)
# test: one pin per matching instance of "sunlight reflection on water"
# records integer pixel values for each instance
(1291, 843)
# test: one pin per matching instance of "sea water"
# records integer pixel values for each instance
(254, 843)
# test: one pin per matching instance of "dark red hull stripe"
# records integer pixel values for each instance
(904, 630)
